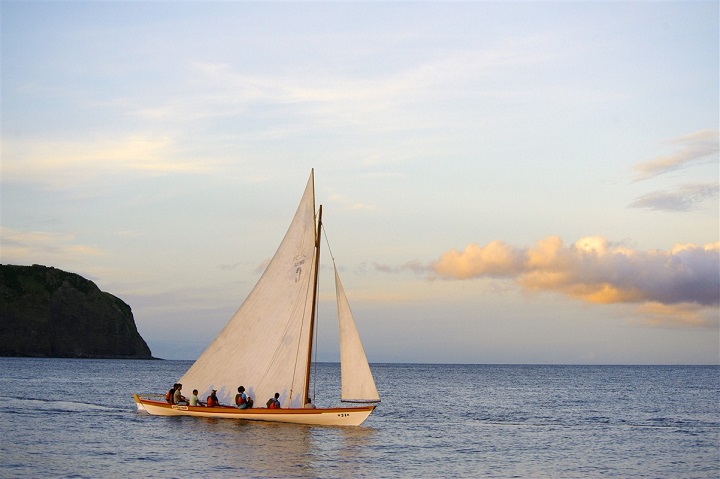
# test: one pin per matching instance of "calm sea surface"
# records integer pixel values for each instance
(76, 418)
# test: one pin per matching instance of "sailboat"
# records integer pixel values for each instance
(267, 345)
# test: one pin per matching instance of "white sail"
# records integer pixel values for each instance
(357, 381)
(265, 346)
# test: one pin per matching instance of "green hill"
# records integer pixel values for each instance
(47, 312)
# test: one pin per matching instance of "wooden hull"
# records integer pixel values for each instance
(344, 416)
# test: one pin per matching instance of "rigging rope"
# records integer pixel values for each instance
(327, 242)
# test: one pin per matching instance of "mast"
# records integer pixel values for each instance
(312, 316)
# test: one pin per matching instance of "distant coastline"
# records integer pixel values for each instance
(46, 312)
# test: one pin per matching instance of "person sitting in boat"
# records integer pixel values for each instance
(170, 395)
(241, 399)
(309, 404)
(212, 399)
(273, 402)
(194, 400)
(178, 398)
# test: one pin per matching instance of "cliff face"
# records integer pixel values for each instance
(47, 312)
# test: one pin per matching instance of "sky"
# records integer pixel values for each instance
(502, 182)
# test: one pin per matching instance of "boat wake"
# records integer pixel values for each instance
(14, 404)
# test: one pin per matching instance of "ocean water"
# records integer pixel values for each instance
(76, 418)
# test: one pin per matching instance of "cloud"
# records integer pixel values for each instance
(693, 149)
(348, 204)
(312, 99)
(411, 266)
(229, 267)
(683, 198)
(262, 266)
(596, 271)
(64, 163)
(44, 247)
(496, 259)
(682, 314)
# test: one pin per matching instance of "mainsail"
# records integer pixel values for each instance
(266, 344)
(357, 381)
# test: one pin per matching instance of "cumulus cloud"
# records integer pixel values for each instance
(595, 270)
(694, 148)
(683, 198)
(495, 259)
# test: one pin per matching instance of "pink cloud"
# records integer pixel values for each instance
(594, 270)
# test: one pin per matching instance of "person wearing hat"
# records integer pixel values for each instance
(212, 399)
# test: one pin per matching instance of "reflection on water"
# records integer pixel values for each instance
(346, 448)
(272, 449)
(76, 418)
